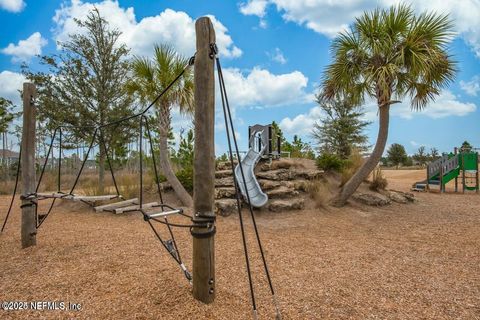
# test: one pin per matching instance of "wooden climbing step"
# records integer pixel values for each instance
(75, 197)
(94, 198)
(116, 205)
(55, 195)
(136, 207)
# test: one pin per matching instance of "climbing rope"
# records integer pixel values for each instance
(197, 221)
(231, 136)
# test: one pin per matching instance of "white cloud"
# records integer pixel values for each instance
(277, 56)
(261, 88)
(329, 17)
(10, 83)
(174, 27)
(303, 123)
(445, 105)
(254, 7)
(471, 87)
(26, 49)
(12, 5)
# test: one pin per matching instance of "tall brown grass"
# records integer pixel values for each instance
(378, 180)
(6, 187)
(319, 192)
(352, 164)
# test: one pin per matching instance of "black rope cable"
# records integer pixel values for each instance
(237, 193)
(102, 139)
(223, 89)
(162, 242)
(179, 225)
(157, 182)
(98, 127)
(59, 181)
(44, 216)
(14, 191)
(46, 160)
(84, 161)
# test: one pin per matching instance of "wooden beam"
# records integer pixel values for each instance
(115, 205)
(204, 163)
(136, 207)
(29, 223)
(75, 197)
(93, 198)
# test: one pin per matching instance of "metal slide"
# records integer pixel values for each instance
(257, 197)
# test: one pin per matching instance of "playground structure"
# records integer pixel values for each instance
(261, 137)
(260, 146)
(461, 165)
(202, 226)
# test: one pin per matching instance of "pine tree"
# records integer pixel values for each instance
(85, 86)
(341, 130)
(298, 148)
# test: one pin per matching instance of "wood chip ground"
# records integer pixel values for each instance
(402, 261)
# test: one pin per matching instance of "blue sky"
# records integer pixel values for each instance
(273, 53)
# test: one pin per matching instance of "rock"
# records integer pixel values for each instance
(371, 199)
(396, 197)
(225, 207)
(224, 182)
(274, 165)
(289, 174)
(282, 192)
(286, 205)
(268, 184)
(276, 175)
(225, 165)
(223, 173)
(281, 164)
(400, 196)
(299, 185)
(307, 174)
(224, 192)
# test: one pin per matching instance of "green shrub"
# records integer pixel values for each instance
(329, 162)
(185, 176)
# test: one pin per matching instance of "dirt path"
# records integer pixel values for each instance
(417, 261)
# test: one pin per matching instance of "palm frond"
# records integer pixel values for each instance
(392, 53)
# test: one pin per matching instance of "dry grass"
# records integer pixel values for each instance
(319, 192)
(353, 163)
(129, 184)
(6, 187)
(378, 180)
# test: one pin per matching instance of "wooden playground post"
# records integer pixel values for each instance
(204, 164)
(29, 223)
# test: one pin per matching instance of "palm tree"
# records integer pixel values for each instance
(151, 76)
(389, 55)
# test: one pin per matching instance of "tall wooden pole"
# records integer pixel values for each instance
(204, 165)
(29, 223)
